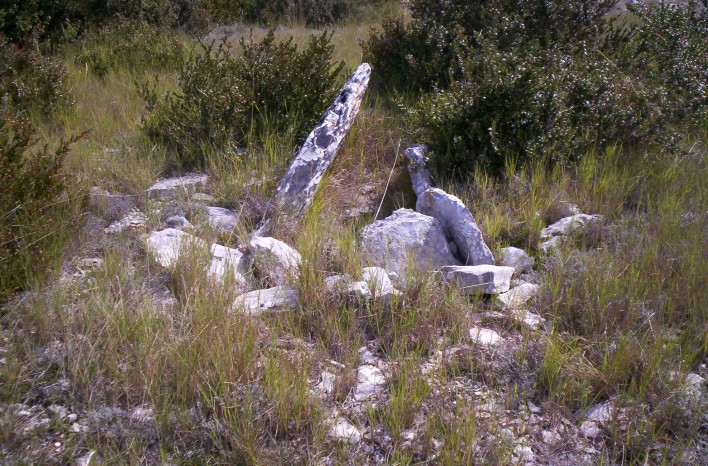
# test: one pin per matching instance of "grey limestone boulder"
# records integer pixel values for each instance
(275, 260)
(222, 220)
(569, 225)
(479, 279)
(458, 223)
(271, 299)
(404, 242)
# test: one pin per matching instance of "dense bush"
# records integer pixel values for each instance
(502, 79)
(225, 101)
(31, 82)
(133, 46)
(30, 182)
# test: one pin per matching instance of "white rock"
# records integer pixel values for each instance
(589, 429)
(379, 284)
(551, 244)
(275, 260)
(485, 337)
(476, 279)
(370, 381)
(344, 285)
(569, 225)
(406, 242)
(693, 386)
(517, 258)
(601, 412)
(420, 177)
(527, 318)
(171, 187)
(222, 220)
(133, 221)
(523, 454)
(458, 224)
(326, 385)
(344, 431)
(259, 301)
(177, 221)
(166, 245)
(517, 297)
(550, 437)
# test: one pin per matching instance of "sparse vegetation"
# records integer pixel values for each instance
(108, 357)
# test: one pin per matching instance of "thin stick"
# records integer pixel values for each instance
(398, 149)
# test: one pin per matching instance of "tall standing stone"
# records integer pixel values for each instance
(297, 187)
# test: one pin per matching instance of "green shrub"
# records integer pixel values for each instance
(225, 101)
(30, 182)
(31, 82)
(132, 46)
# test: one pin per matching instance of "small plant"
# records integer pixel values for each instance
(31, 83)
(31, 179)
(225, 101)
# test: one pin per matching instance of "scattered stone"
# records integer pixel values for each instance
(344, 285)
(133, 221)
(297, 187)
(517, 297)
(420, 177)
(458, 223)
(527, 318)
(222, 220)
(693, 386)
(142, 414)
(485, 337)
(259, 301)
(326, 385)
(379, 284)
(601, 412)
(550, 437)
(517, 258)
(370, 381)
(90, 263)
(523, 454)
(275, 260)
(406, 242)
(344, 431)
(177, 221)
(202, 198)
(167, 245)
(475, 279)
(170, 188)
(569, 225)
(590, 429)
(60, 411)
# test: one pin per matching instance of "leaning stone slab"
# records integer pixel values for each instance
(479, 279)
(297, 187)
(404, 242)
(420, 177)
(167, 245)
(458, 223)
(275, 260)
(259, 301)
(169, 188)
(517, 297)
(517, 258)
(569, 225)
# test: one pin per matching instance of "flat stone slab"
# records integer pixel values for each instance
(275, 260)
(569, 225)
(458, 223)
(167, 245)
(406, 242)
(170, 188)
(259, 301)
(518, 297)
(479, 279)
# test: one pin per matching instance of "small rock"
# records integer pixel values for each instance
(357, 291)
(693, 386)
(485, 337)
(259, 301)
(550, 437)
(517, 297)
(222, 220)
(133, 221)
(177, 221)
(589, 429)
(60, 411)
(523, 454)
(370, 381)
(569, 225)
(275, 260)
(527, 318)
(517, 258)
(601, 412)
(550, 245)
(379, 284)
(475, 279)
(344, 431)
(202, 198)
(326, 385)
(170, 188)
